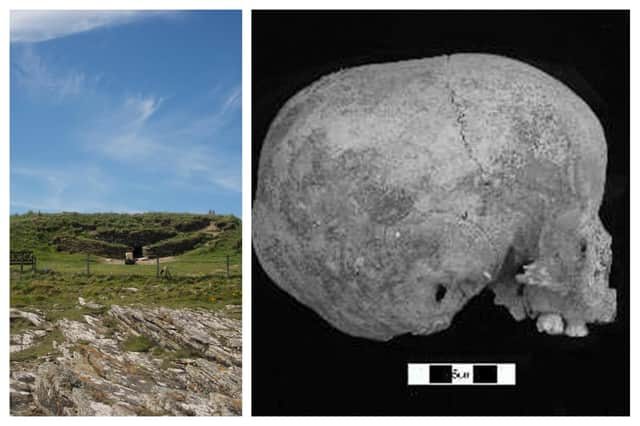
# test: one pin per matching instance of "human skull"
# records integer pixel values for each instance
(389, 195)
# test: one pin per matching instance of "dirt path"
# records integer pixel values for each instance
(143, 261)
(212, 229)
(139, 261)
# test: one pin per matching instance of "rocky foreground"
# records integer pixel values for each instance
(189, 363)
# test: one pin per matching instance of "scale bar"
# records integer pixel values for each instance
(461, 374)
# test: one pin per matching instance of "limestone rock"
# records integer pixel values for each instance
(22, 341)
(88, 304)
(33, 318)
(193, 367)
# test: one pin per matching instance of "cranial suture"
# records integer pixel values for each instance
(389, 195)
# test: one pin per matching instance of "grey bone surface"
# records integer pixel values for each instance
(388, 195)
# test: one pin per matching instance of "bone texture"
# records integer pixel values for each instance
(389, 195)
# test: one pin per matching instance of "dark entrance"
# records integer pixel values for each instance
(137, 251)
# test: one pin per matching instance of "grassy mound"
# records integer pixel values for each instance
(111, 234)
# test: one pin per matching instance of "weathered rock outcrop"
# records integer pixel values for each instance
(28, 337)
(32, 317)
(191, 365)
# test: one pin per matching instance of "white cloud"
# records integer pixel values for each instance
(231, 182)
(40, 25)
(155, 147)
(60, 189)
(32, 72)
(55, 182)
(141, 107)
(234, 99)
(210, 123)
(183, 148)
(122, 136)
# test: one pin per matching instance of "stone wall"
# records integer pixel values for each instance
(84, 245)
(175, 246)
(141, 237)
(194, 225)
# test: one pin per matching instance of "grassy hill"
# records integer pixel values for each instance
(194, 247)
(198, 244)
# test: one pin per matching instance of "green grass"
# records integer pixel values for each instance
(137, 344)
(42, 348)
(57, 293)
(199, 278)
(36, 232)
(197, 262)
(207, 261)
(169, 357)
(19, 325)
(33, 232)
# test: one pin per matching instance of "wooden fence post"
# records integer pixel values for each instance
(227, 266)
(88, 264)
(157, 266)
(33, 264)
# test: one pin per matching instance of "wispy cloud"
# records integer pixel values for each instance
(228, 103)
(61, 189)
(121, 135)
(41, 25)
(143, 107)
(32, 73)
(185, 149)
(233, 100)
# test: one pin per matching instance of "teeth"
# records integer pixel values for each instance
(550, 324)
(576, 329)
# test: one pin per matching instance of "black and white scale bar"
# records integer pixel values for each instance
(461, 374)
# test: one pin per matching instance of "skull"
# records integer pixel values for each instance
(389, 195)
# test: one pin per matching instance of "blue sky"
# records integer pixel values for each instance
(126, 111)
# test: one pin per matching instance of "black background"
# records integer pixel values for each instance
(303, 366)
